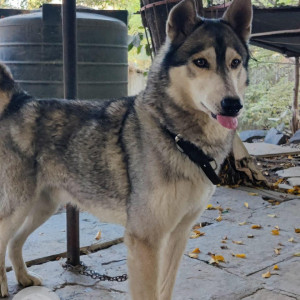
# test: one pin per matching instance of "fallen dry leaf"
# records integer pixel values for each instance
(98, 236)
(253, 194)
(224, 241)
(241, 255)
(272, 216)
(291, 240)
(275, 267)
(196, 250)
(246, 204)
(275, 232)
(216, 259)
(297, 230)
(266, 275)
(196, 226)
(242, 223)
(297, 254)
(219, 218)
(256, 226)
(238, 242)
(225, 237)
(277, 251)
(196, 233)
(250, 236)
(224, 247)
(193, 255)
(277, 227)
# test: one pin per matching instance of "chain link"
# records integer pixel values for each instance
(82, 269)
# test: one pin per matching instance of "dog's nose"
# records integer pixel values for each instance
(231, 106)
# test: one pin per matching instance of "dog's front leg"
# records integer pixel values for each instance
(143, 258)
(172, 254)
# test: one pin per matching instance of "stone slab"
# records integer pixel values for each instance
(267, 295)
(275, 137)
(50, 238)
(295, 138)
(264, 149)
(294, 181)
(250, 135)
(286, 280)
(290, 172)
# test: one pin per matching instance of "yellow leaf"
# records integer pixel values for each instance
(297, 254)
(291, 240)
(216, 259)
(219, 218)
(253, 194)
(242, 255)
(266, 275)
(275, 232)
(275, 267)
(272, 216)
(238, 242)
(256, 226)
(243, 223)
(193, 255)
(209, 206)
(196, 250)
(290, 157)
(297, 230)
(250, 236)
(220, 258)
(246, 204)
(98, 236)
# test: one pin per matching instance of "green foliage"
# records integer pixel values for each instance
(270, 93)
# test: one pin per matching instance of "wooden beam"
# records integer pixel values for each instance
(268, 33)
(295, 107)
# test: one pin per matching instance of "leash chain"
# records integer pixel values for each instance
(82, 269)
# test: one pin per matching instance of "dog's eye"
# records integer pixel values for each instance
(201, 63)
(235, 63)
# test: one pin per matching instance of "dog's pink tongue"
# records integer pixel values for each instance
(228, 122)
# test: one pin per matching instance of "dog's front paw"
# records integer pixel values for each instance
(3, 287)
(29, 279)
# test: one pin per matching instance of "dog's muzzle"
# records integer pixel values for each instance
(231, 106)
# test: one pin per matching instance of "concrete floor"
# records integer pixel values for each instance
(237, 278)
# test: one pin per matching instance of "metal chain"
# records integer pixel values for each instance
(82, 269)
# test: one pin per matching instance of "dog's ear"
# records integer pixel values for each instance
(182, 20)
(239, 16)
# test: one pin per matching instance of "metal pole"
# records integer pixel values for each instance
(70, 92)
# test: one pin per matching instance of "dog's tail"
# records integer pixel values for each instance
(7, 87)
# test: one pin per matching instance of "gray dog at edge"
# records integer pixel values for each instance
(119, 159)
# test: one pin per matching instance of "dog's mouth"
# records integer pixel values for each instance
(229, 122)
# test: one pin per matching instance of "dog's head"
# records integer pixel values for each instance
(207, 59)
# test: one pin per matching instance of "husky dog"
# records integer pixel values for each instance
(142, 161)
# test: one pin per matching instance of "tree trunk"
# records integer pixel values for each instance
(295, 106)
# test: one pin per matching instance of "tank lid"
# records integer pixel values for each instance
(52, 13)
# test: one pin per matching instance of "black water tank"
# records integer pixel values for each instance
(31, 46)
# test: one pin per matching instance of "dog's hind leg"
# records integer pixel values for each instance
(172, 254)
(8, 226)
(40, 212)
(143, 258)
